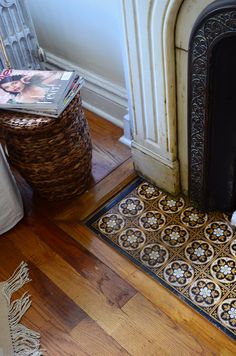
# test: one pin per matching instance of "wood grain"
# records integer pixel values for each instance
(108, 152)
(52, 312)
(185, 317)
(158, 325)
(94, 340)
(116, 290)
(81, 207)
(87, 299)
(108, 316)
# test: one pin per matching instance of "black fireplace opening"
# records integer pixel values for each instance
(221, 158)
(212, 109)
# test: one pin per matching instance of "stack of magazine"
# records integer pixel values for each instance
(38, 92)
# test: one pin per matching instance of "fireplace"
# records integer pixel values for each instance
(175, 145)
(212, 108)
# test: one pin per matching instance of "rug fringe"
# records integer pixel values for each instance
(16, 281)
(25, 342)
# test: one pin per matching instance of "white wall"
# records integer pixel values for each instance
(88, 35)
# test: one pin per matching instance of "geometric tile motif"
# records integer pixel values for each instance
(132, 239)
(111, 223)
(224, 269)
(199, 252)
(178, 273)
(148, 191)
(174, 235)
(192, 218)
(171, 205)
(131, 207)
(218, 232)
(227, 312)
(205, 292)
(192, 253)
(152, 220)
(154, 255)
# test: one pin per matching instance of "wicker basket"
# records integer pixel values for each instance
(53, 155)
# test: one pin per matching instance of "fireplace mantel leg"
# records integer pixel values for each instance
(150, 76)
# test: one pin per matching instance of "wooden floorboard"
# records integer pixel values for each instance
(168, 305)
(94, 340)
(80, 208)
(108, 152)
(87, 299)
(115, 289)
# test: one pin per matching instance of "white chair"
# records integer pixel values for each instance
(11, 207)
(19, 49)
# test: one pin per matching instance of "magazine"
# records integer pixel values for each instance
(39, 92)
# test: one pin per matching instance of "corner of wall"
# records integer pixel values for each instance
(99, 95)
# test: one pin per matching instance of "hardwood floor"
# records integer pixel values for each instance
(86, 298)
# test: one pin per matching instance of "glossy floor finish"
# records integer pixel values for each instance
(88, 299)
(189, 252)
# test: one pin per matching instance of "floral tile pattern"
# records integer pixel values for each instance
(191, 253)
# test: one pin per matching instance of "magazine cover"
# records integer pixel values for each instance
(32, 89)
(72, 90)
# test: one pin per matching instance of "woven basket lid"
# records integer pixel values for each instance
(22, 121)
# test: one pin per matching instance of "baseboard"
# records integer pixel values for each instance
(99, 95)
(125, 141)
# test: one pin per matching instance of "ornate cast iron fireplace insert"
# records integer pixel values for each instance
(212, 108)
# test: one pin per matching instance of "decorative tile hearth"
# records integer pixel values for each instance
(191, 253)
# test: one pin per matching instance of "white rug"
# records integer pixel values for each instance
(16, 339)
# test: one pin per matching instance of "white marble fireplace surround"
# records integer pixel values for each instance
(157, 34)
